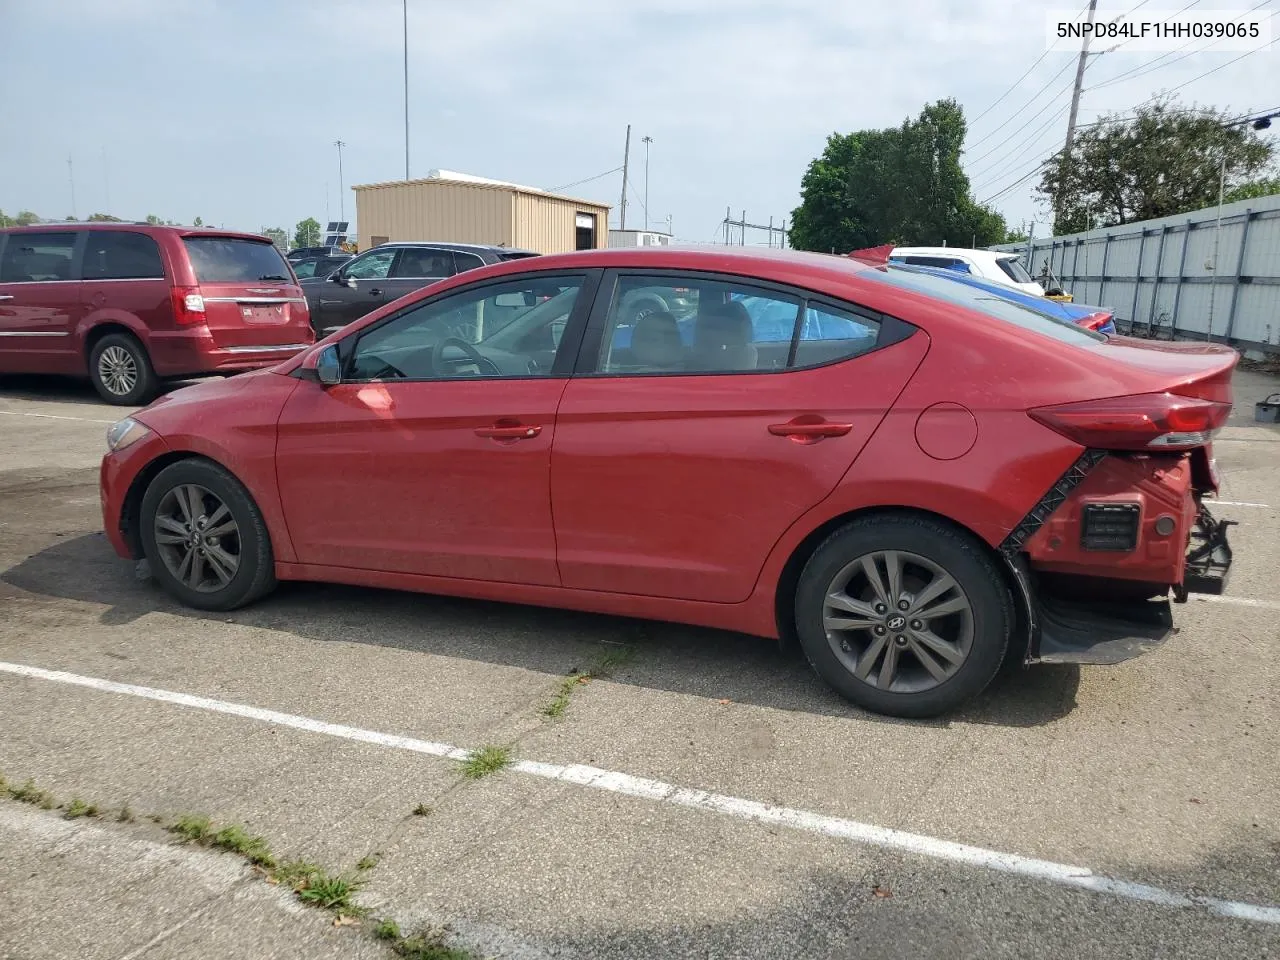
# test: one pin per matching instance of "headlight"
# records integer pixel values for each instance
(124, 432)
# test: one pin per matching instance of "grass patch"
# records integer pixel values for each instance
(429, 946)
(368, 863)
(78, 808)
(125, 815)
(192, 828)
(238, 840)
(604, 668)
(330, 893)
(421, 810)
(30, 793)
(295, 873)
(387, 930)
(486, 760)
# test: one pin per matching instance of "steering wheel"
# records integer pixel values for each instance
(480, 360)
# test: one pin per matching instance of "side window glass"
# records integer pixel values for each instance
(828, 334)
(33, 257)
(112, 255)
(466, 261)
(499, 330)
(672, 325)
(372, 266)
(306, 268)
(418, 263)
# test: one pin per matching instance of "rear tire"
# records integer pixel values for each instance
(121, 371)
(903, 615)
(204, 537)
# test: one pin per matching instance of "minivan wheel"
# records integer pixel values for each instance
(903, 615)
(205, 538)
(121, 370)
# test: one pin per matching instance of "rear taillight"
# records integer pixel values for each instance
(1095, 321)
(188, 306)
(1148, 421)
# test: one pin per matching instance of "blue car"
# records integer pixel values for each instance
(1098, 319)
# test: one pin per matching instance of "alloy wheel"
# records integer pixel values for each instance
(118, 370)
(898, 621)
(197, 538)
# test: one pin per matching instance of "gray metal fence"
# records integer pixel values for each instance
(1185, 277)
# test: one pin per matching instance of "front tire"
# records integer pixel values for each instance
(205, 538)
(121, 371)
(903, 615)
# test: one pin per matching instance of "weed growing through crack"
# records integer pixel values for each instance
(125, 815)
(387, 930)
(331, 893)
(486, 760)
(238, 840)
(421, 810)
(30, 793)
(78, 808)
(192, 828)
(429, 946)
(368, 863)
(604, 668)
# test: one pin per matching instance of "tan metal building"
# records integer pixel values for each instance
(466, 209)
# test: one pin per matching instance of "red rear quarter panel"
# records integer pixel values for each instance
(232, 422)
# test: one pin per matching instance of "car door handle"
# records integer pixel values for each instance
(6, 297)
(809, 429)
(375, 292)
(509, 431)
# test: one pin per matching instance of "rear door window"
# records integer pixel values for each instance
(422, 263)
(466, 261)
(120, 255)
(975, 298)
(37, 257)
(235, 260)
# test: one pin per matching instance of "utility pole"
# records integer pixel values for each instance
(1075, 108)
(646, 140)
(71, 175)
(1075, 93)
(626, 157)
(405, 8)
(342, 199)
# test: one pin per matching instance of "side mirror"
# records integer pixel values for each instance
(328, 366)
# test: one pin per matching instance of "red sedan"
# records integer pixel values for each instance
(908, 477)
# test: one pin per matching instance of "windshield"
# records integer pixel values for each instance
(1014, 270)
(233, 260)
(941, 288)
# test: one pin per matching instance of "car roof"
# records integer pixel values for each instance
(987, 256)
(134, 227)
(451, 245)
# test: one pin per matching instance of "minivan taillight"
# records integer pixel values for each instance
(1148, 421)
(188, 306)
(1095, 321)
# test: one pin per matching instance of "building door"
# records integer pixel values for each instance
(585, 224)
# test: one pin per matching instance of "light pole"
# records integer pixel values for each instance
(342, 206)
(646, 141)
(405, 9)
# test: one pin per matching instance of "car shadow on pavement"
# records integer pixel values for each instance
(56, 389)
(664, 656)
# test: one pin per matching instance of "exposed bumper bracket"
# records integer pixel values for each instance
(1208, 557)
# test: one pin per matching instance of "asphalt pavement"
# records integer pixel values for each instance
(701, 795)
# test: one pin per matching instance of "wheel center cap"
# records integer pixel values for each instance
(896, 623)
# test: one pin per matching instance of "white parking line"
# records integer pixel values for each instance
(52, 416)
(803, 820)
(1240, 601)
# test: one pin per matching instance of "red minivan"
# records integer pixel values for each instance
(132, 305)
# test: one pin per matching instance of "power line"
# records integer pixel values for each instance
(1065, 67)
(1219, 67)
(1014, 87)
(578, 183)
(1062, 90)
(1034, 170)
(991, 175)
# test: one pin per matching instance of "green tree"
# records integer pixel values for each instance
(1163, 161)
(277, 235)
(198, 222)
(25, 218)
(103, 218)
(1265, 187)
(6, 220)
(307, 233)
(153, 220)
(900, 185)
(1016, 236)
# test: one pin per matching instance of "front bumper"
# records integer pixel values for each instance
(116, 477)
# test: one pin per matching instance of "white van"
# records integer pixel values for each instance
(996, 267)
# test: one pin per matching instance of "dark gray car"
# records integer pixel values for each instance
(388, 272)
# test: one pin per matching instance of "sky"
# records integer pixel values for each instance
(229, 109)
